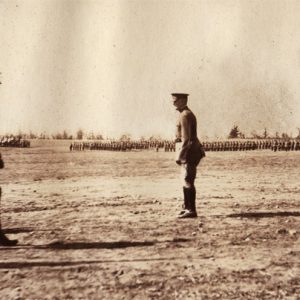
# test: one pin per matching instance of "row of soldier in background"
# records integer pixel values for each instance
(241, 145)
(169, 146)
(13, 141)
(123, 146)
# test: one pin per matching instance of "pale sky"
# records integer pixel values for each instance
(110, 66)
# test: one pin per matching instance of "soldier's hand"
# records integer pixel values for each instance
(178, 162)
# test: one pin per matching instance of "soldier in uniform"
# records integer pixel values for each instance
(4, 240)
(190, 153)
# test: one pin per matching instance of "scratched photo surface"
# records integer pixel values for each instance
(102, 224)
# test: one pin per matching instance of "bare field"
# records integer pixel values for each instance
(102, 225)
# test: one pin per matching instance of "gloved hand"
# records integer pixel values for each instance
(178, 162)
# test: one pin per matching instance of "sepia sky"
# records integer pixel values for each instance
(110, 66)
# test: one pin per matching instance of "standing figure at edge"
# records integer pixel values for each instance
(190, 153)
(4, 241)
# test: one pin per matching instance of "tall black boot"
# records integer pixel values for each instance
(5, 241)
(192, 198)
(185, 205)
(191, 202)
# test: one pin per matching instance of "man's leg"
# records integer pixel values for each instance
(186, 204)
(4, 241)
(189, 192)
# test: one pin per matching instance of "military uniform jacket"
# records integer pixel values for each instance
(192, 150)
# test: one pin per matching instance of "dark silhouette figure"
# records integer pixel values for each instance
(4, 240)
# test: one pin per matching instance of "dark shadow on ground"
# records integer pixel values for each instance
(265, 214)
(17, 230)
(61, 245)
(96, 245)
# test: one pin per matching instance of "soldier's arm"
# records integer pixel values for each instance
(178, 132)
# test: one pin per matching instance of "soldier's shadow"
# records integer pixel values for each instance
(17, 230)
(61, 245)
(258, 215)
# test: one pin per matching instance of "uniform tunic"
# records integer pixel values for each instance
(191, 151)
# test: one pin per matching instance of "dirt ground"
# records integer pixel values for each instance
(102, 225)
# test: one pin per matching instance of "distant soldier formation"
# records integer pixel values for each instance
(169, 146)
(123, 145)
(246, 145)
(14, 141)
